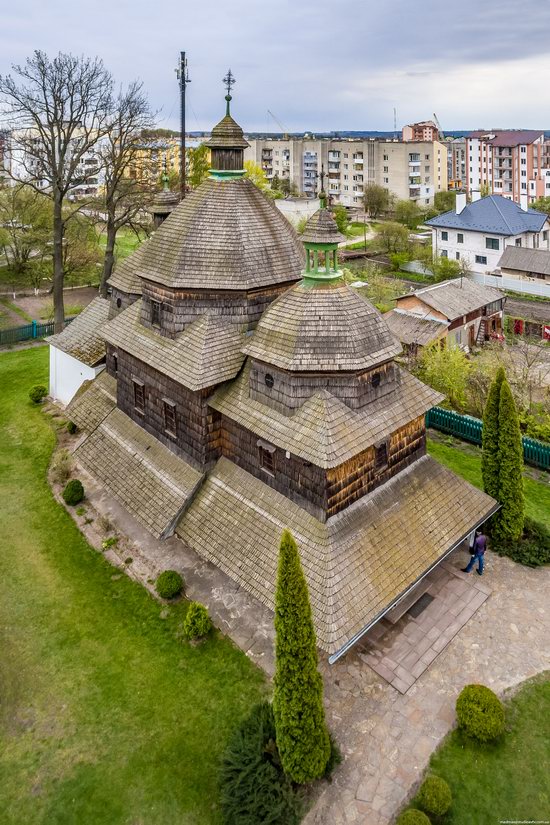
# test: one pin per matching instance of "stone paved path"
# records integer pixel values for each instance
(386, 737)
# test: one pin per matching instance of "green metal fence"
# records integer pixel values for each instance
(469, 428)
(36, 329)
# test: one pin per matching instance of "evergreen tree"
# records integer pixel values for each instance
(302, 736)
(508, 521)
(489, 437)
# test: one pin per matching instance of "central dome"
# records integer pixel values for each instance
(225, 235)
(324, 327)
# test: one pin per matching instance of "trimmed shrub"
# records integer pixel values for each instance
(61, 467)
(434, 796)
(302, 735)
(169, 584)
(480, 713)
(197, 622)
(71, 427)
(412, 817)
(489, 436)
(37, 393)
(73, 492)
(507, 523)
(532, 549)
(254, 788)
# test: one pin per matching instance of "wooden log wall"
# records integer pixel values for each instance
(179, 308)
(197, 436)
(120, 301)
(290, 390)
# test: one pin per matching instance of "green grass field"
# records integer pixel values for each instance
(506, 781)
(465, 459)
(126, 242)
(106, 716)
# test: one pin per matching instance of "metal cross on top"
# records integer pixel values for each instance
(229, 81)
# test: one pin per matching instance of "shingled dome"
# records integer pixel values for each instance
(227, 133)
(322, 228)
(225, 235)
(325, 326)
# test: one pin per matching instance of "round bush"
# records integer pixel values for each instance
(169, 584)
(197, 622)
(37, 393)
(254, 787)
(71, 427)
(434, 796)
(480, 713)
(73, 492)
(412, 817)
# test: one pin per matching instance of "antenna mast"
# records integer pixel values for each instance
(183, 78)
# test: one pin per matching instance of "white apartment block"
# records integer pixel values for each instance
(409, 170)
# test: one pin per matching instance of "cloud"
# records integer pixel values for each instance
(317, 65)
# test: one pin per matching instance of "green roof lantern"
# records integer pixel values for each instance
(321, 238)
(227, 143)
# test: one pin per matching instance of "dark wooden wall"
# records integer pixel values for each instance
(125, 299)
(181, 307)
(198, 425)
(290, 390)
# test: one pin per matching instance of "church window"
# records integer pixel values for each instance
(119, 302)
(115, 363)
(155, 313)
(381, 455)
(170, 423)
(375, 380)
(269, 381)
(266, 455)
(139, 395)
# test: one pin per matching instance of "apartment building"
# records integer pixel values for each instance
(456, 160)
(425, 130)
(413, 170)
(508, 162)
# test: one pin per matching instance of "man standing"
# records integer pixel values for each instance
(478, 551)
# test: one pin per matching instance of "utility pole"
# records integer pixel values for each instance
(183, 78)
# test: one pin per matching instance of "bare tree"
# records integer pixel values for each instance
(60, 110)
(125, 196)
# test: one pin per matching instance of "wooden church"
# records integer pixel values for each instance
(249, 389)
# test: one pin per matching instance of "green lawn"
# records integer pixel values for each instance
(508, 781)
(106, 716)
(465, 459)
(126, 242)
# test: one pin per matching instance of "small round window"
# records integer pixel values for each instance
(119, 302)
(375, 380)
(269, 380)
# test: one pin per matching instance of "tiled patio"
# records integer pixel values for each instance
(401, 652)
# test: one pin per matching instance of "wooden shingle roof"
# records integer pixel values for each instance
(455, 298)
(82, 338)
(322, 228)
(152, 483)
(324, 430)
(225, 235)
(358, 563)
(414, 329)
(125, 277)
(325, 327)
(206, 353)
(93, 402)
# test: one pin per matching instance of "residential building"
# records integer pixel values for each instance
(250, 389)
(505, 161)
(409, 170)
(459, 312)
(477, 233)
(456, 153)
(426, 130)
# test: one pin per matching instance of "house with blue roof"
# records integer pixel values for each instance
(478, 232)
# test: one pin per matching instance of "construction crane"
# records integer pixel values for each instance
(438, 124)
(279, 124)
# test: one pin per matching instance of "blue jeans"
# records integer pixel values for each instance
(472, 561)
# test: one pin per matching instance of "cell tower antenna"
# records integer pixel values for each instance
(183, 78)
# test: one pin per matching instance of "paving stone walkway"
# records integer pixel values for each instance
(386, 736)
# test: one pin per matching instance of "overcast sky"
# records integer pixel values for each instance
(319, 66)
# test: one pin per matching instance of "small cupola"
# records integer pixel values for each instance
(321, 237)
(227, 143)
(165, 201)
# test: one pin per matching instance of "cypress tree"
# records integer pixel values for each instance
(302, 736)
(489, 437)
(508, 521)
